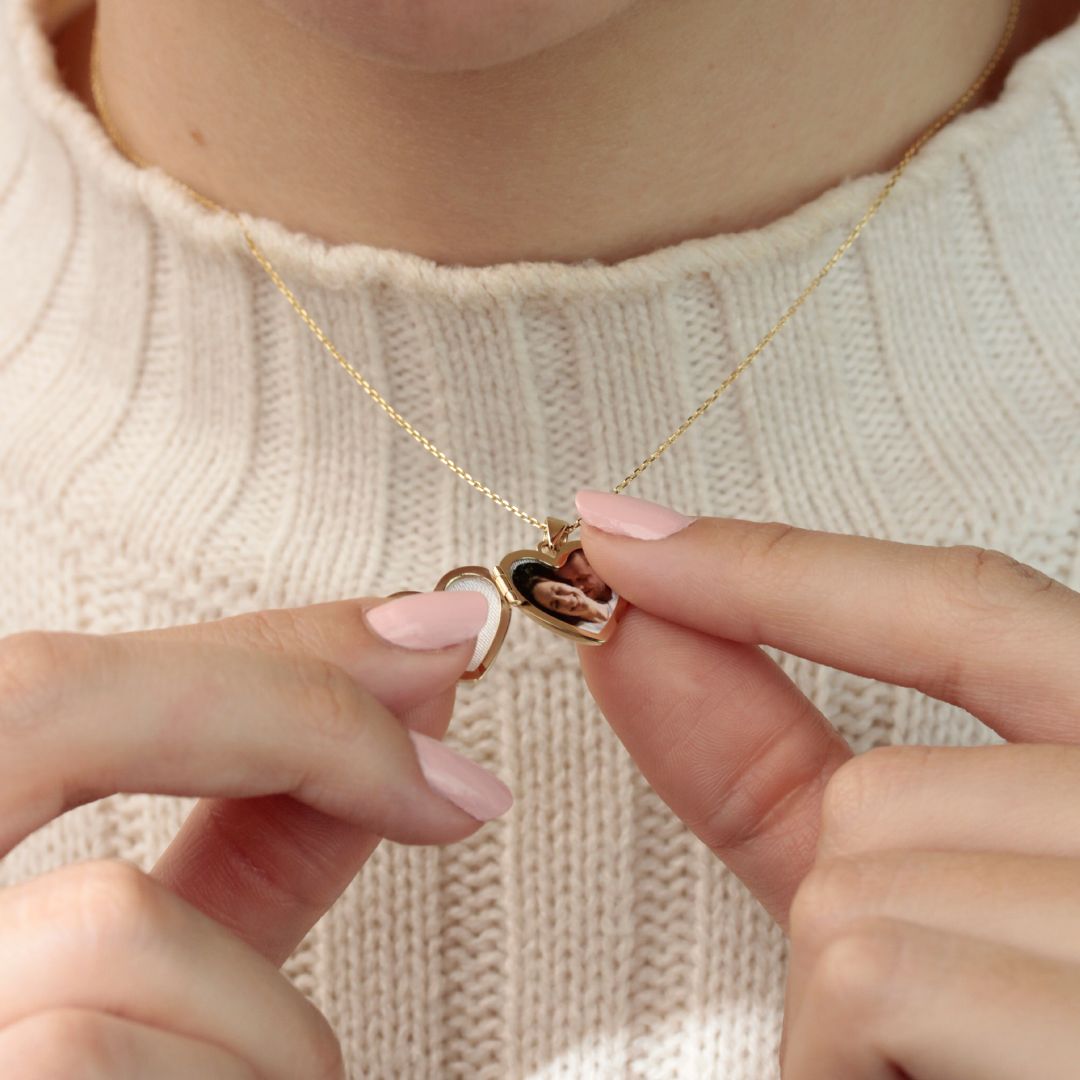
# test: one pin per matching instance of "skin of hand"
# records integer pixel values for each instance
(293, 726)
(929, 893)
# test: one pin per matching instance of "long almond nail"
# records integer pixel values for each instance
(430, 620)
(623, 515)
(463, 782)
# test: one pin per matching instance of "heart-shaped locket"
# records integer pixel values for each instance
(556, 586)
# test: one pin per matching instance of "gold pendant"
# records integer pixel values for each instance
(554, 585)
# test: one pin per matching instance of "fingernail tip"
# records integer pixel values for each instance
(626, 515)
(429, 620)
(502, 799)
(458, 779)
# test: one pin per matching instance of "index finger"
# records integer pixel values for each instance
(339, 633)
(83, 717)
(268, 868)
(965, 625)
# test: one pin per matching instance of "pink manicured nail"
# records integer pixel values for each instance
(430, 620)
(623, 515)
(460, 780)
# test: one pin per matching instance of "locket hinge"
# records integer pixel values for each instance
(504, 588)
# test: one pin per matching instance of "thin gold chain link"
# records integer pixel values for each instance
(426, 443)
(121, 144)
(374, 394)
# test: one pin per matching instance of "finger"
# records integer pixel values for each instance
(79, 1044)
(103, 937)
(1024, 799)
(971, 627)
(85, 717)
(726, 740)
(340, 633)
(889, 999)
(268, 869)
(1025, 902)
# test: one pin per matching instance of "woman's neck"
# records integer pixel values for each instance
(677, 119)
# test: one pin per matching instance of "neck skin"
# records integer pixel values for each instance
(675, 119)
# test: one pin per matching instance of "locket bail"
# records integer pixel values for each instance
(556, 533)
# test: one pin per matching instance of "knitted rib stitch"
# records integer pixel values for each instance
(174, 446)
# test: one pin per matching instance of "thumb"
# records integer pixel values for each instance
(726, 740)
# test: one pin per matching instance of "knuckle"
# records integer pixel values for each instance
(852, 792)
(854, 969)
(111, 900)
(32, 668)
(277, 630)
(821, 900)
(977, 593)
(984, 580)
(66, 1044)
(768, 547)
(329, 703)
(857, 791)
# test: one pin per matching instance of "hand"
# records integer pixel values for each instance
(291, 724)
(934, 929)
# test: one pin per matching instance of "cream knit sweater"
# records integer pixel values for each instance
(174, 446)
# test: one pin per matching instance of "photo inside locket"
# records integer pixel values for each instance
(486, 587)
(572, 592)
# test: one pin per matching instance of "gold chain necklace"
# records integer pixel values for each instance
(519, 580)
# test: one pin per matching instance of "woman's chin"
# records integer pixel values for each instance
(448, 35)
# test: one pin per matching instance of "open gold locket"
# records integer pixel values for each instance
(554, 584)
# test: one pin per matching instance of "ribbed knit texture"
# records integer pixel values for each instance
(174, 446)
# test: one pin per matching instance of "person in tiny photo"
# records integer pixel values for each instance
(578, 571)
(548, 590)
